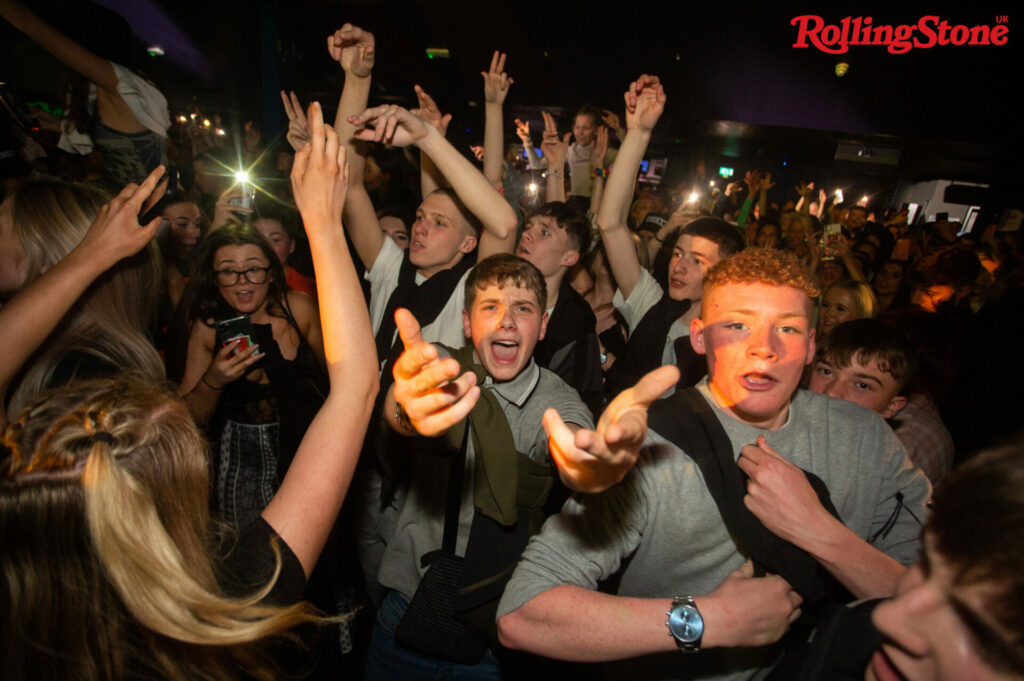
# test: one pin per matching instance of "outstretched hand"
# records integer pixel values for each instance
(611, 119)
(391, 125)
(298, 126)
(115, 233)
(320, 175)
(645, 102)
(429, 111)
(594, 460)
(600, 147)
(430, 390)
(496, 81)
(353, 48)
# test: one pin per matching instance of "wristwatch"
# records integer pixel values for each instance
(685, 624)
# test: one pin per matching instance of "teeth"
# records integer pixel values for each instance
(507, 344)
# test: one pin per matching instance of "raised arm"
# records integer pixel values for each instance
(556, 150)
(355, 50)
(427, 109)
(399, 127)
(32, 315)
(305, 507)
(645, 102)
(93, 67)
(496, 85)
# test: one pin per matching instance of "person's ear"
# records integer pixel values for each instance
(697, 336)
(468, 244)
(570, 257)
(543, 325)
(811, 347)
(895, 406)
(467, 328)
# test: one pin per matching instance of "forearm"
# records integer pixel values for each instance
(32, 315)
(533, 159)
(305, 507)
(479, 195)
(853, 267)
(431, 178)
(96, 69)
(748, 205)
(354, 97)
(554, 186)
(363, 226)
(576, 624)
(399, 425)
(201, 398)
(860, 567)
(612, 217)
(596, 194)
(493, 141)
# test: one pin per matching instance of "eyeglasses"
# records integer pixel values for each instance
(253, 275)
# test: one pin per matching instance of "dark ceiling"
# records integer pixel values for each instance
(738, 91)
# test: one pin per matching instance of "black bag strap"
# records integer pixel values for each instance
(451, 514)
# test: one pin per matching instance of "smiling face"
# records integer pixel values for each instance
(837, 306)
(186, 223)
(546, 245)
(244, 296)
(440, 236)
(757, 339)
(692, 257)
(278, 237)
(937, 630)
(862, 383)
(888, 280)
(504, 324)
(584, 129)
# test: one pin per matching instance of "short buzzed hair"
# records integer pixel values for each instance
(505, 269)
(729, 240)
(761, 266)
(867, 340)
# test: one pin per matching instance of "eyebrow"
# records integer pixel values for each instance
(784, 315)
(232, 262)
(868, 377)
(992, 646)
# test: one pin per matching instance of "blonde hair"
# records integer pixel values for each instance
(107, 561)
(110, 320)
(867, 304)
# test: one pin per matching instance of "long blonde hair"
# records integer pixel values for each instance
(107, 561)
(111, 319)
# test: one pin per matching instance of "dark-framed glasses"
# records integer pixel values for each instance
(253, 275)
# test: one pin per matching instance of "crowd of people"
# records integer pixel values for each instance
(516, 433)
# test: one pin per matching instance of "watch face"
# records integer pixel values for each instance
(685, 623)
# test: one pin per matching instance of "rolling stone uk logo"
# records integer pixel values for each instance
(929, 31)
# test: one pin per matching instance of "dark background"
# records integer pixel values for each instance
(739, 93)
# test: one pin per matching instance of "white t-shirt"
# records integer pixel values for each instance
(643, 297)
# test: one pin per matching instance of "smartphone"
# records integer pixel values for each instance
(830, 240)
(171, 194)
(247, 198)
(235, 327)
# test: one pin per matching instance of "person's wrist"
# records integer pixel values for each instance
(205, 381)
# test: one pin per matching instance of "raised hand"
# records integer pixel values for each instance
(353, 48)
(429, 111)
(555, 150)
(320, 175)
(804, 189)
(496, 81)
(391, 125)
(594, 460)
(523, 130)
(224, 212)
(766, 183)
(115, 233)
(645, 102)
(430, 391)
(611, 119)
(298, 126)
(753, 180)
(478, 152)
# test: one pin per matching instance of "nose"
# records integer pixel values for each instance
(898, 619)
(833, 389)
(507, 320)
(762, 343)
(679, 266)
